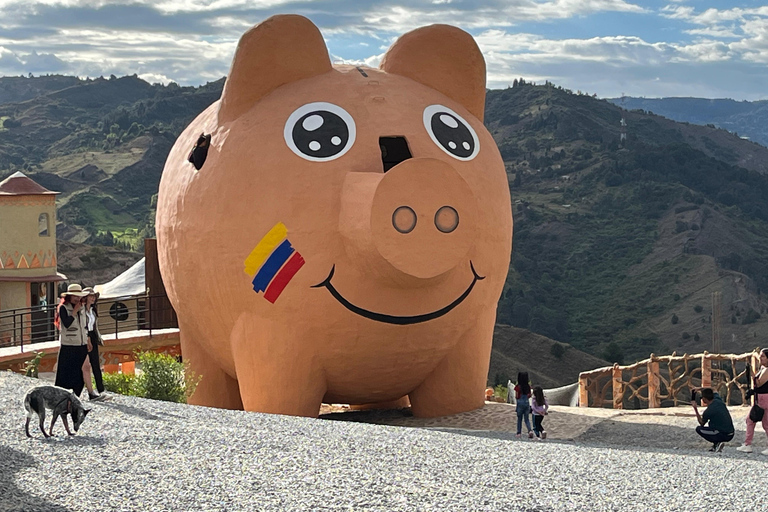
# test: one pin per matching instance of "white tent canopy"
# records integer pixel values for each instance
(128, 284)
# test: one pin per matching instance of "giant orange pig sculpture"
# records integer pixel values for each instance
(344, 233)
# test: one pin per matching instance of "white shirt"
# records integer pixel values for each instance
(91, 319)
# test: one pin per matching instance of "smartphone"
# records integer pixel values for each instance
(693, 395)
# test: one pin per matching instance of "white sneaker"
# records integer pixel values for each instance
(744, 448)
(764, 452)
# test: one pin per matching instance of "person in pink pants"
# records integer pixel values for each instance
(761, 393)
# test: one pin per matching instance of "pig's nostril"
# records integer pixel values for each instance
(404, 219)
(446, 219)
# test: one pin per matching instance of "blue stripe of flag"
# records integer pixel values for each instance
(272, 265)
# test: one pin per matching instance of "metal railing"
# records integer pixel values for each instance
(24, 326)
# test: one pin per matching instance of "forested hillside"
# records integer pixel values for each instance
(617, 245)
(747, 118)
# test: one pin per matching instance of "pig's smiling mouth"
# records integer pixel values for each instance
(398, 320)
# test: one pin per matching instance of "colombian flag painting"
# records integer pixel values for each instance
(273, 263)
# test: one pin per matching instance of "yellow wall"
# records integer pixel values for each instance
(12, 295)
(19, 236)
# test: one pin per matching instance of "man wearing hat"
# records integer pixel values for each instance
(72, 323)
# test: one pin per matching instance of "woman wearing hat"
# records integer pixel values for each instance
(71, 320)
(92, 362)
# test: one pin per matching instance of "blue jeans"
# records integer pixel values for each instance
(523, 409)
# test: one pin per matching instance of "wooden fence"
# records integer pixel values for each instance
(667, 381)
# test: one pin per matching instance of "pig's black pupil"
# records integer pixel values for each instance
(454, 135)
(320, 134)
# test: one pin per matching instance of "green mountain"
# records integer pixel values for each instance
(747, 118)
(101, 143)
(618, 246)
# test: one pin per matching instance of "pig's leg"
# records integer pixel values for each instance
(458, 382)
(277, 371)
(216, 388)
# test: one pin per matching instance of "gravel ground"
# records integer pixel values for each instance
(135, 454)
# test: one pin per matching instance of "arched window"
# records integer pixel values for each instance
(42, 225)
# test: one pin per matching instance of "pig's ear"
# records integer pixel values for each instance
(280, 50)
(442, 57)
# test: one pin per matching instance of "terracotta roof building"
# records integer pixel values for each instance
(28, 266)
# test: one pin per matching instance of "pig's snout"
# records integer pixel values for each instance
(420, 217)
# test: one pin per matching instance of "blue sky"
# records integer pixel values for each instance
(651, 48)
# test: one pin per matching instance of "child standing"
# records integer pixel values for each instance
(539, 406)
(523, 404)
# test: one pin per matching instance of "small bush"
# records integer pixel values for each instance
(557, 350)
(674, 318)
(697, 308)
(33, 365)
(686, 335)
(501, 391)
(162, 377)
(751, 317)
(613, 353)
(696, 337)
(118, 383)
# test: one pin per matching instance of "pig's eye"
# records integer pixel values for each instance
(451, 132)
(319, 131)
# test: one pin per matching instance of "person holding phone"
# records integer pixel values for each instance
(715, 424)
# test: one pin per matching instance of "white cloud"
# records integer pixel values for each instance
(192, 41)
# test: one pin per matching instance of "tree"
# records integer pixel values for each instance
(674, 318)
(613, 353)
(557, 350)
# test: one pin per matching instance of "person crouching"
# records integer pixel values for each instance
(716, 424)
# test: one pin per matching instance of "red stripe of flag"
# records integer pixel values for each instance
(283, 277)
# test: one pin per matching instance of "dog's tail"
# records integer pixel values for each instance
(32, 403)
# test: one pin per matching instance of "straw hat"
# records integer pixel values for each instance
(91, 291)
(76, 290)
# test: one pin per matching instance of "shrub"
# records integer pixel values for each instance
(697, 308)
(696, 337)
(674, 318)
(119, 383)
(162, 377)
(686, 335)
(751, 317)
(557, 350)
(33, 365)
(613, 353)
(501, 391)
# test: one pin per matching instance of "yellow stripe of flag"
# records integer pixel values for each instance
(265, 247)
